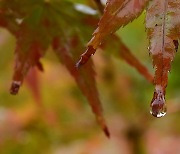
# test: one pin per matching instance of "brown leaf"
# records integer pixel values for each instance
(29, 50)
(33, 83)
(162, 23)
(117, 13)
(85, 78)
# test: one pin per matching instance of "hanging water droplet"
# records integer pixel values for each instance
(158, 105)
(15, 87)
(158, 109)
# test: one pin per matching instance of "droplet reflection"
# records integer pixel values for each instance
(158, 105)
(15, 87)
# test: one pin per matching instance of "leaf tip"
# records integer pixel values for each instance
(79, 64)
(15, 87)
(85, 56)
(106, 132)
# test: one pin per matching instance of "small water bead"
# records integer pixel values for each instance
(15, 87)
(158, 109)
(158, 105)
(85, 56)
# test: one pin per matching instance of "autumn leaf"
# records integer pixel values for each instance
(67, 45)
(85, 78)
(163, 25)
(31, 45)
(38, 25)
(33, 42)
(33, 82)
(163, 31)
(117, 13)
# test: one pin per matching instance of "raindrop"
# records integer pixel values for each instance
(158, 105)
(15, 87)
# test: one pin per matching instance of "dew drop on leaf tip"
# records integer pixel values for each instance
(15, 87)
(158, 105)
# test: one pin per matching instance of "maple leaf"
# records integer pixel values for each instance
(116, 42)
(67, 44)
(32, 43)
(163, 25)
(40, 24)
(84, 78)
(163, 31)
(33, 82)
(117, 13)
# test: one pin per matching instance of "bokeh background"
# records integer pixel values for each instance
(54, 117)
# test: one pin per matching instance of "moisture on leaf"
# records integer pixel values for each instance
(162, 23)
(163, 31)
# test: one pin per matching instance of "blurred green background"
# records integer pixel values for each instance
(56, 119)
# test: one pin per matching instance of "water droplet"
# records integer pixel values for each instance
(15, 87)
(158, 105)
